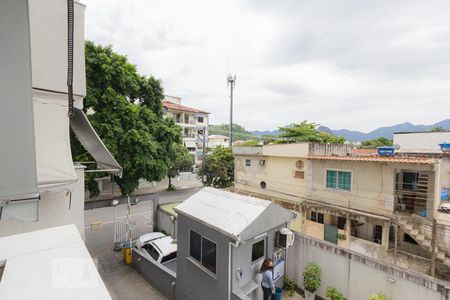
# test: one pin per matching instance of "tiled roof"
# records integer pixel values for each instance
(382, 159)
(175, 106)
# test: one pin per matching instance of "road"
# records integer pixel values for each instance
(123, 282)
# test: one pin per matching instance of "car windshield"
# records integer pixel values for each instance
(171, 256)
(152, 251)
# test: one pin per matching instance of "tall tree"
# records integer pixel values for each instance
(307, 132)
(218, 168)
(438, 129)
(125, 110)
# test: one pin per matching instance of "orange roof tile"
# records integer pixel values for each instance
(382, 159)
(175, 106)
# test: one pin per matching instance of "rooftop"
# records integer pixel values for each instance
(175, 106)
(49, 264)
(217, 136)
(232, 214)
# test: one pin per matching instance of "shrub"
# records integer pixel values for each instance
(289, 286)
(379, 296)
(334, 294)
(311, 277)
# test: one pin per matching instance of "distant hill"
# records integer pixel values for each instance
(358, 136)
(239, 132)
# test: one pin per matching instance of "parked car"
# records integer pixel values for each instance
(445, 207)
(157, 246)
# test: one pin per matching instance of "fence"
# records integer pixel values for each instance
(357, 276)
(140, 224)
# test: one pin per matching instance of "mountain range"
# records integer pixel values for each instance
(358, 136)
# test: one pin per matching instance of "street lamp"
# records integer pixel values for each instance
(114, 203)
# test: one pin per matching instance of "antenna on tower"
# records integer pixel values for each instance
(231, 81)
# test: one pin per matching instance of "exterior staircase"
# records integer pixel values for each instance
(411, 228)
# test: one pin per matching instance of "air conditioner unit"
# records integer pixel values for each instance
(262, 162)
(284, 238)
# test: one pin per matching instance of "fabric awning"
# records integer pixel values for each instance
(93, 144)
(18, 176)
(190, 144)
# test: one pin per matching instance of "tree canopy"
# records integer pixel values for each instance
(307, 132)
(180, 160)
(379, 142)
(218, 168)
(125, 110)
(437, 129)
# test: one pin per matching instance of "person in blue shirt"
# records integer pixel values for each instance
(267, 284)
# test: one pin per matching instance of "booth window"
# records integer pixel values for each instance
(203, 250)
(258, 250)
(248, 162)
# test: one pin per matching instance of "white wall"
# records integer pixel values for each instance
(421, 142)
(55, 209)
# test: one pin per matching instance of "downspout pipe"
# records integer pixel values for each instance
(230, 273)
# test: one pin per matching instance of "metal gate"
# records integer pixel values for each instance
(139, 224)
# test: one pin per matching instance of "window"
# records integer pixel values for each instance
(339, 180)
(410, 180)
(203, 250)
(186, 132)
(317, 217)
(200, 119)
(152, 251)
(171, 256)
(262, 162)
(200, 132)
(177, 118)
(186, 119)
(258, 250)
(248, 162)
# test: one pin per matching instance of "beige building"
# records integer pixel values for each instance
(345, 196)
(194, 123)
(218, 140)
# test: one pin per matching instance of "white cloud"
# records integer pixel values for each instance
(353, 64)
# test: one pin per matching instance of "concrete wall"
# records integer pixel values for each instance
(167, 223)
(421, 142)
(287, 150)
(372, 185)
(55, 209)
(357, 276)
(161, 277)
(192, 281)
(277, 174)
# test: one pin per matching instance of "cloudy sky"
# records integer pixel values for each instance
(344, 64)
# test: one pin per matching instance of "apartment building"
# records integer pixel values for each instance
(346, 196)
(194, 123)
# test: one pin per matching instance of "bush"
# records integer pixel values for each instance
(289, 286)
(334, 294)
(379, 296)
(311, 277)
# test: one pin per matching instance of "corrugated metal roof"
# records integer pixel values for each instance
(227, 212)
(387, 159)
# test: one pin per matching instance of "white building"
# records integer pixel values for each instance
(194, 123)
(216, 140)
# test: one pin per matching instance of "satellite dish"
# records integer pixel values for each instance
(397, 147)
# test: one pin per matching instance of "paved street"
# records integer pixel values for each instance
(123, 282)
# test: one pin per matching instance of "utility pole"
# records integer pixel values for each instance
(231, 80)
(433, 248)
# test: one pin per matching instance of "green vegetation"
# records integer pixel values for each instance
(289, 286)
(307, 132)
(379, 296)
(128, 117)
(239, 132)
(311, 277)
(379, 142)
(249, 143)
(180, 161)
(438, 129)
(218, 168)
(334, 294)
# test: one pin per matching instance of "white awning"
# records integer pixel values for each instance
(18, 178)
(53, 154)
(190, 144)
(93, 144)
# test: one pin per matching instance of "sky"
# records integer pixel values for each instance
(343, 64)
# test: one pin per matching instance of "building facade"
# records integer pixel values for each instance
(218, 140)
(194, 124)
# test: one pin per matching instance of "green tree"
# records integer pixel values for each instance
(218, 168)
(334, 294)
(379, 142)
(307, 132)
(128, 116)
(438, 129)
(181, 160)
